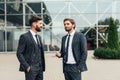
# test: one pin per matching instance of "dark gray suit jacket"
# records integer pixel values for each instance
(26, 49)
(79, 48)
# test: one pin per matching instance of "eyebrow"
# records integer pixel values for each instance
(66, 23)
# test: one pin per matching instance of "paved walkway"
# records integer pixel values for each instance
(98, 69)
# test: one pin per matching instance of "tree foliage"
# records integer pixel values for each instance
(112, 51)
(113, 41)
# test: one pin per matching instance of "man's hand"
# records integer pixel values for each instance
(28, 69)
(58, 54)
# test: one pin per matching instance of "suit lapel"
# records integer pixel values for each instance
(73, 44)
(74, 37)
(64, 40)
(32, 39)
(40, 40)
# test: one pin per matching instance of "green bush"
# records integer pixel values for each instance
(107, 53)
(113, 50)
(113, 40)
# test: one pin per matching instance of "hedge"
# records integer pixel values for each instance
(107, 53)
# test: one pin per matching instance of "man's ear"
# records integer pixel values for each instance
(34, 24)
(73, 26)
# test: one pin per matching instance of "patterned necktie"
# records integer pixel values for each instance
(68, 39)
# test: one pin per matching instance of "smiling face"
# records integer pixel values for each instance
(36, 23)
(38, 26)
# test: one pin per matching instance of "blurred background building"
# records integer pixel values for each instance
(91, 16)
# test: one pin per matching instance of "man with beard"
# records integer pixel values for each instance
(73, 51)
(30, 51)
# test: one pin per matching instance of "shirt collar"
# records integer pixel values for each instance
(33, 33)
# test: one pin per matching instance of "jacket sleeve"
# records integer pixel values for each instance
(61, 51)
(21, 51)
(83, 50)
(43, 55)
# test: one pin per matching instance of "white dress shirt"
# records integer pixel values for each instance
(71, 59)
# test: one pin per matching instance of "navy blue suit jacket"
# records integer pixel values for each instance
(79, 49)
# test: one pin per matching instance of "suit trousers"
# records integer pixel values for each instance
(35, 73)
(71, 72)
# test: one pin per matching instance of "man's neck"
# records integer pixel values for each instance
(34, 30)
(70, 31)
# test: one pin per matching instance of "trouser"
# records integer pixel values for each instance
(72, 76)
(35, 73)
(71, 72)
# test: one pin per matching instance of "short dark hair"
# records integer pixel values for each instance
(34, 19)
(71, 20)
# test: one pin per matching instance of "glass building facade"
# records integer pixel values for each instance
(14, 16)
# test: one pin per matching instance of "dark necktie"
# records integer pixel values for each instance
(68, 39)
(38, 41)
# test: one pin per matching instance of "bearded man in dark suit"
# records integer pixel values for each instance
(30, 51)
(73, 51)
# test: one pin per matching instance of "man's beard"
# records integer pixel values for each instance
(37, 28)
(68, 30)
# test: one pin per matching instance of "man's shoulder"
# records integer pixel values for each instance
(25, 34)
(79, 34)
(64, 36)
